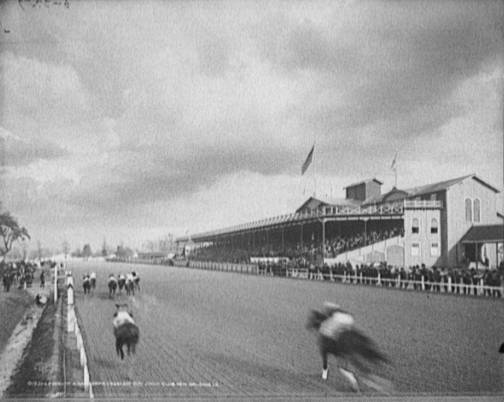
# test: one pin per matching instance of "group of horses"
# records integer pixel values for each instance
(130, 283)
(89, 283)
(126, 332)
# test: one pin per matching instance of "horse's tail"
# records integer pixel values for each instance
(364, 346)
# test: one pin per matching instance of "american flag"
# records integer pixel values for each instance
(308, 160)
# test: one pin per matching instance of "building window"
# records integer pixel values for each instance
(434, 250)
(476, 210)
(433, 197)
(434, 226)
(468, 210)
(415, 227)
(415, 249)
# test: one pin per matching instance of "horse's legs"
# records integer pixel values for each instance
(350, 377)
(119, 349)
(324, 365)
(378, 383)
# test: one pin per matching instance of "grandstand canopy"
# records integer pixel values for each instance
(484, 234)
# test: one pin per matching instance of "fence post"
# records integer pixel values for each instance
(55, 284)
(378, 282)
(481, 291)
(423, 283)
(449, 284)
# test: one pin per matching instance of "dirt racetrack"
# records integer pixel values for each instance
(231, 335)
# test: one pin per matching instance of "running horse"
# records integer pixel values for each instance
(92, 277)
(130, 285)
(86, 284)
(357, 351)
(126, 331)
(121, 282)
(112, 285)
(136, 281)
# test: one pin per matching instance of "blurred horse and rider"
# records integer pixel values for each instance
(358, 355)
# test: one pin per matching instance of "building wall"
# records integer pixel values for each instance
(457, 225)
(357, 192)
(363, 191)
(424, 238)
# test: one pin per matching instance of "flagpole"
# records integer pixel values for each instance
(314, 163)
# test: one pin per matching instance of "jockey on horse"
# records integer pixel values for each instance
(337, 322)
(112, 285)
(92, 278)
(338, 336)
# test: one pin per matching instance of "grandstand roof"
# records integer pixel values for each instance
(330, 201)
(443, 185)
(426, 189)
(364, 181)
(484, 234)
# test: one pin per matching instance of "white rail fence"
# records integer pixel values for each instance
(73, 326)
(448, 286)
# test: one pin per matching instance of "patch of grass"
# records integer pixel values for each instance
(32, 377)
(13, 306)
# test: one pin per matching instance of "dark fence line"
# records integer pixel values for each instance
(446, 286)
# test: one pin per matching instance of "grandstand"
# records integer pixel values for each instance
(450, 223)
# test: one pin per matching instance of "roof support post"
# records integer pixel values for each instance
(323, 240)
(283, 240)
(497, 255)
(476, 254)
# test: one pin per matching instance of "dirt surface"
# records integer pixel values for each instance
(31, 378)
(13, 306)
(230, 335)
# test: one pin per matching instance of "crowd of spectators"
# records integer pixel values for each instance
(341, 244)
(434, 279)
(302, 254)
(22, 273)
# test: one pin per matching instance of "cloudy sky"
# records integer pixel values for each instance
(129, 120)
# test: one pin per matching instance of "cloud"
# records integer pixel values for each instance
(44, 93)
(18, 152)
(392, 63)
(146, 174)
(126, 112)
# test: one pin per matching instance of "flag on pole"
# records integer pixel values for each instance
(308, 161)
(394, 162)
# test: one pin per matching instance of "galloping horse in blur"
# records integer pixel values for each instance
(112, 285)
(126, 331)
(86, 284)
(136, 281)
(358, 352)
(92, 278)
(121, 282)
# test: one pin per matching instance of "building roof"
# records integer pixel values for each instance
(443, 185)
(330, 201)
(426, 189)
(392, 195)
(484, 234)
(364, 182)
